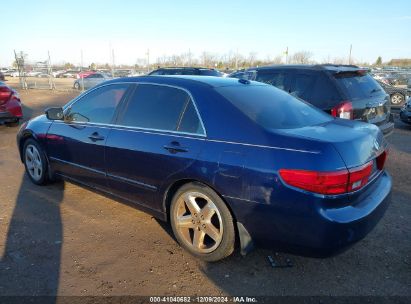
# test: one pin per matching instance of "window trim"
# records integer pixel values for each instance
(126, 100)
(203, 133)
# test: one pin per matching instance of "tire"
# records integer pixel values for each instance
(397, 99)
(202, 223)
(77, 86)
(35, 162)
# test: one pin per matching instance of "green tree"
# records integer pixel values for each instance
(68, 66)
(379, 61)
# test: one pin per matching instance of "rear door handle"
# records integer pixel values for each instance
(95, 137)
(174, 147)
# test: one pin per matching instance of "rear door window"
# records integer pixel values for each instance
(161, 108)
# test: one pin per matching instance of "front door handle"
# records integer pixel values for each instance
(95, 137)
(174, 147)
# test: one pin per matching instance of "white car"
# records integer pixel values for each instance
(33, 74)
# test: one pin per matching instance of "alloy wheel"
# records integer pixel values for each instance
(198, 222)
(33, 162)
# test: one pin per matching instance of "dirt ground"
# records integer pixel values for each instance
(65, 240)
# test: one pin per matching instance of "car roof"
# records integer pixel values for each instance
(318, 67)
(184, 68)
(206, 81)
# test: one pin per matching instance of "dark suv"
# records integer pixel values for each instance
(186, 71)
(344, 91)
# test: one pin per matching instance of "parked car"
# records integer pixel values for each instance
(14, 74)
(280, 173)
(33, 74)
(343, 91)
(68, 74)
(186, 71)
(8, 72)
(397, 95)
(10, 106)
(90, 81)
(57, 74)
(84, 74)
(405, 113)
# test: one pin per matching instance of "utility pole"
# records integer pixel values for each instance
(286, 55)
(81, 69)
(349, 57)
(148, 60)
(49, 70)
(112, 63)
(236, 60)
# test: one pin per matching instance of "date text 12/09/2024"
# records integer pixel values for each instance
(203, 299)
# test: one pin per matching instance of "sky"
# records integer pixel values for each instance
(325, 28)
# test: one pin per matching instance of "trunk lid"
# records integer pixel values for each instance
(356, 142)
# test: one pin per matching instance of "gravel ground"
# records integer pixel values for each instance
(65, 240)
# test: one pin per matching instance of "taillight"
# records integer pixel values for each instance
(343, 110)
(5, 94)
(359, 177)
(329, 182)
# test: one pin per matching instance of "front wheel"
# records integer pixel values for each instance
(77, 85)
(202, 223)
(397, 99)
(35, 162)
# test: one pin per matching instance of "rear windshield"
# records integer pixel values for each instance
(359, 86)
(272, 108)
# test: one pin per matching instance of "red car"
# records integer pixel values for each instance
(10, 105)
(84, 74)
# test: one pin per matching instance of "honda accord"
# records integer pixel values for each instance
(221, 159)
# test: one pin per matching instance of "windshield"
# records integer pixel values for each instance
(272, 108)
(359, 86)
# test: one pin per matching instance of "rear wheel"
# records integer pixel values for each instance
(202, 223)
(397, 99)
(35, 162)
(77, 85)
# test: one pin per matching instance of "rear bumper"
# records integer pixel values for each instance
(318, 227)
(8, 117)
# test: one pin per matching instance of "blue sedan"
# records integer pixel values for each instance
(222, 159)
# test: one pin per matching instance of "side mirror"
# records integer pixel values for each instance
(55, 113)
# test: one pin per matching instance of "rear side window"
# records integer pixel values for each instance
(358, 86)
(324, 93)
(161, 108)
(272, 108)
(210, 73)
(158, 72)
(276, 79)
(98, 106)
(302, 85)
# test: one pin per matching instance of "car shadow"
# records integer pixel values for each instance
(30, 264)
